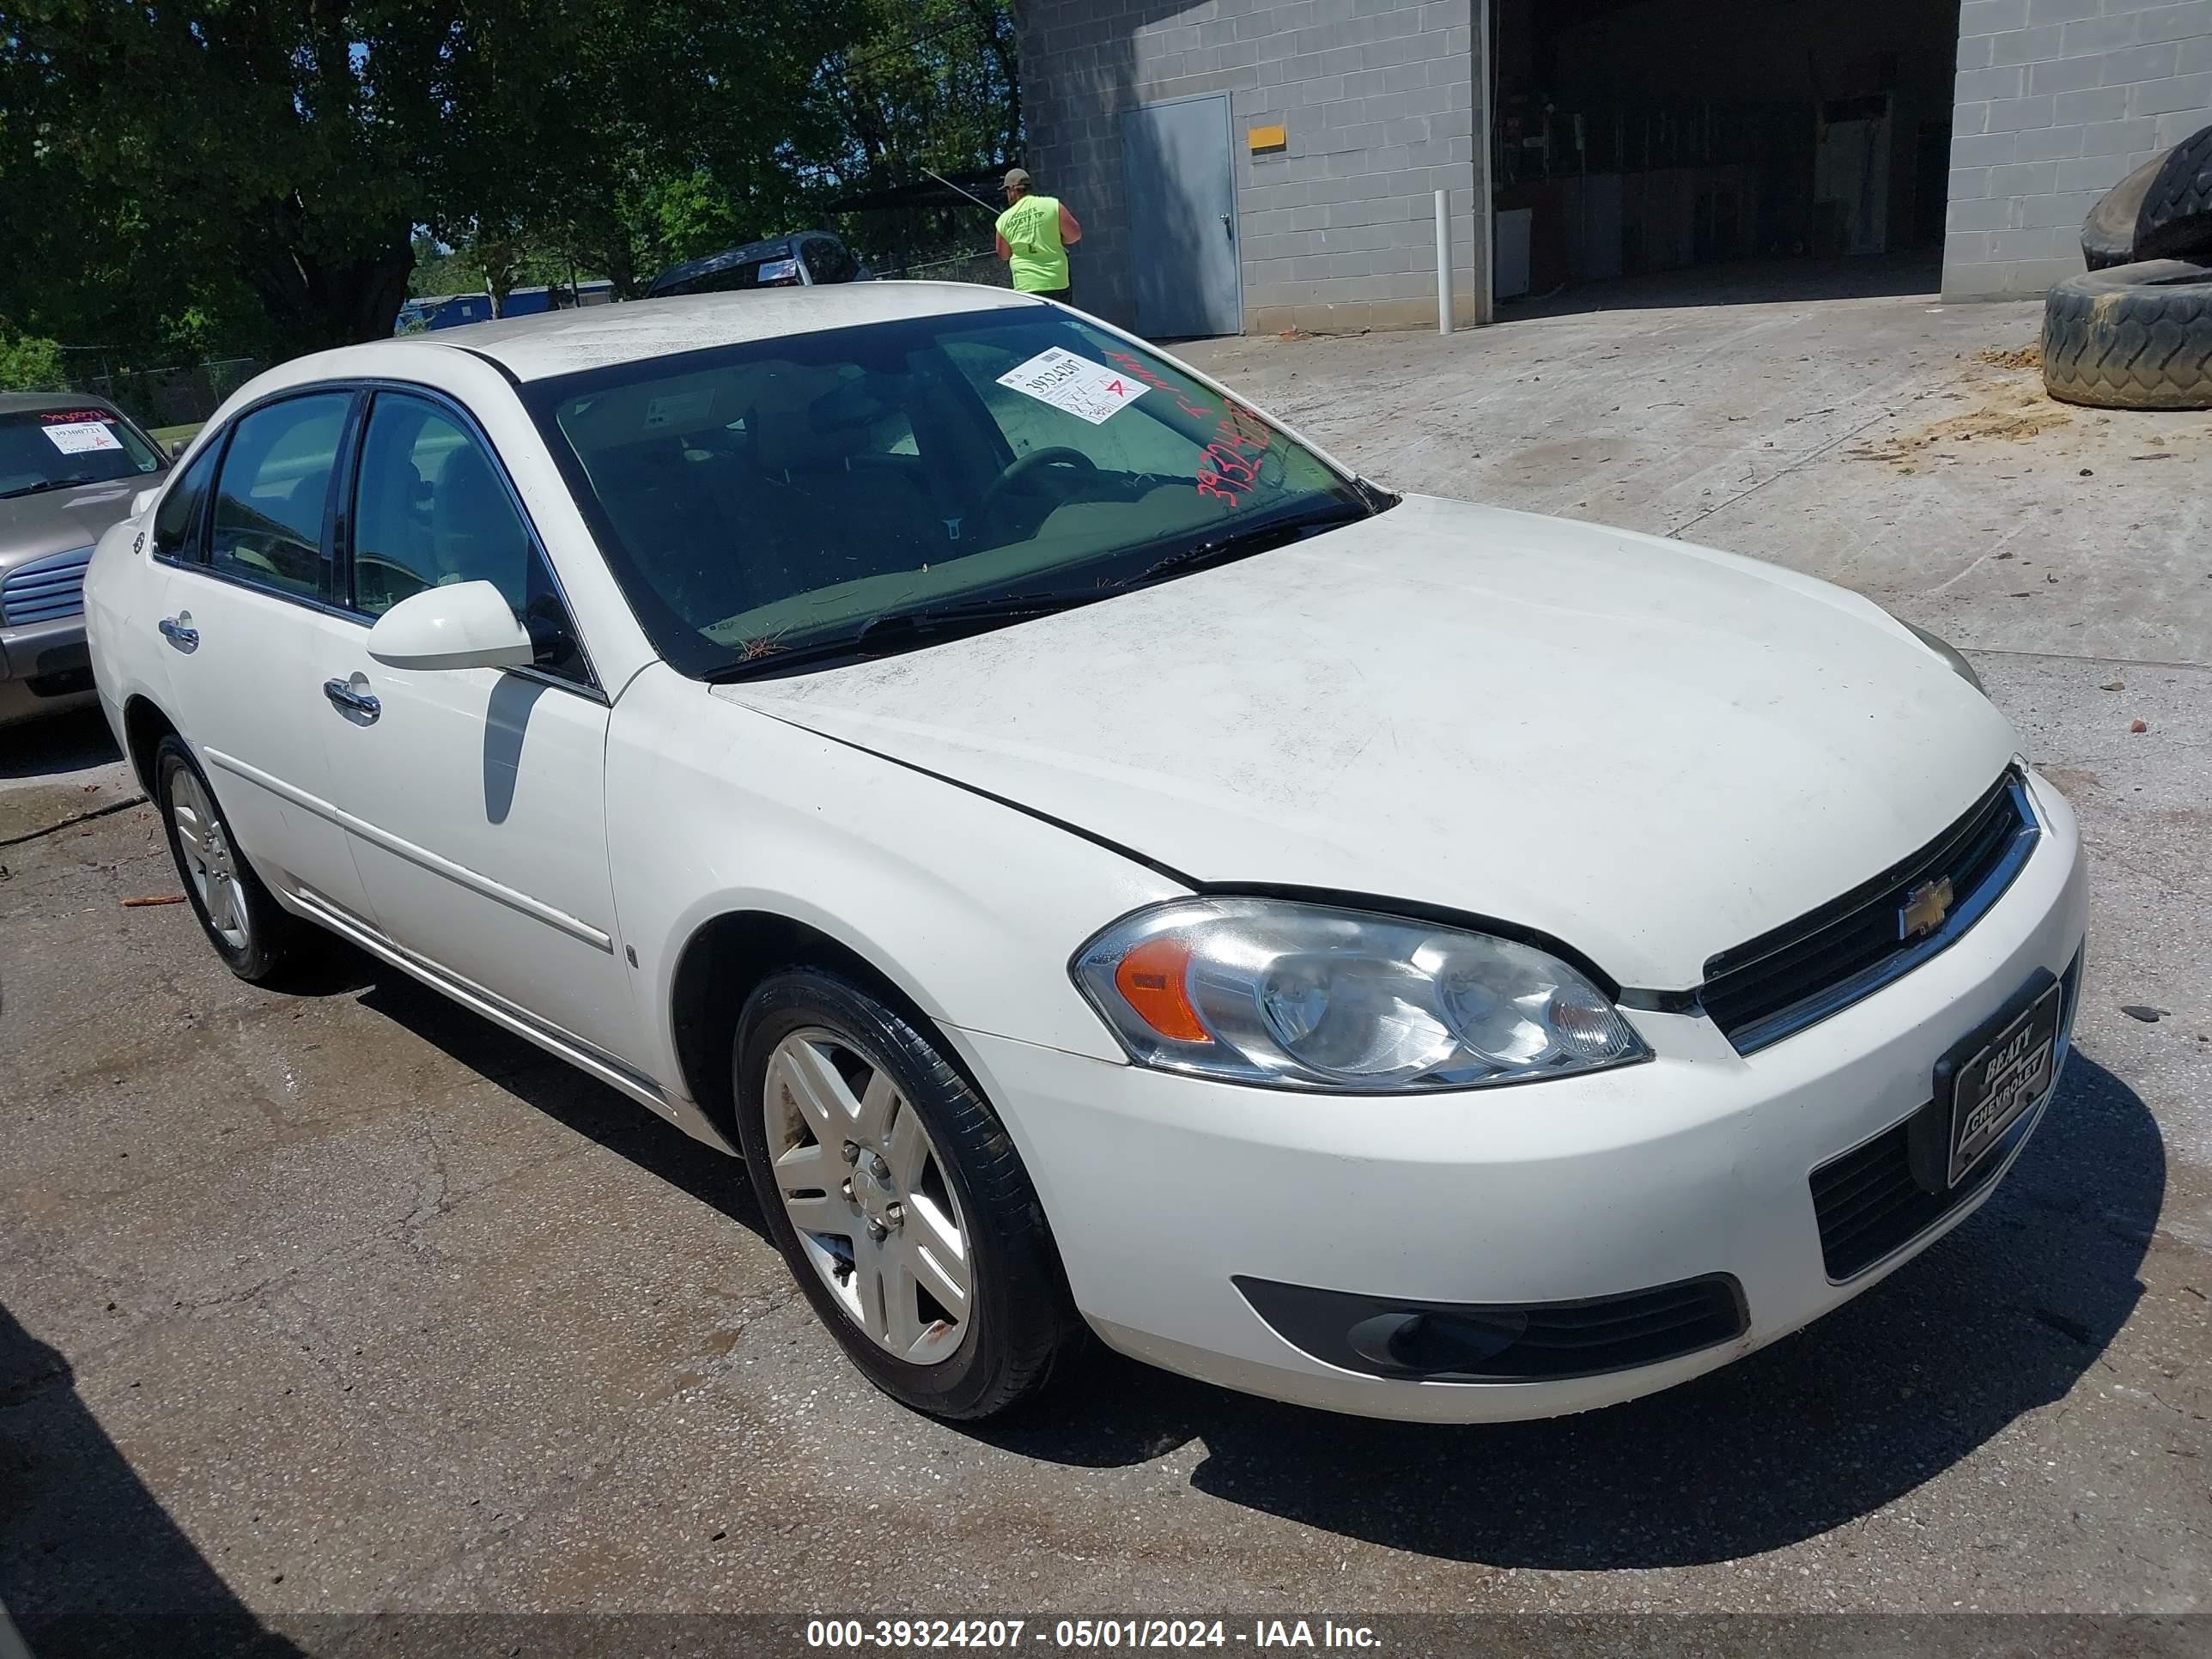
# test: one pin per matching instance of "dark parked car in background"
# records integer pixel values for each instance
(803, 260)
(428, 311)
(69, 465)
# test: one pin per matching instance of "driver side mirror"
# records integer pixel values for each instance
(465, 625)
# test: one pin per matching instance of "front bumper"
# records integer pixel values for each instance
(44, 668)
(1162, 1191)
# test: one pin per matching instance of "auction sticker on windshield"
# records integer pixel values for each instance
(1090, 391)
(82, 437)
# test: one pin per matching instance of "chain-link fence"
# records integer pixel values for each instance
(157, 397)
(986, 268)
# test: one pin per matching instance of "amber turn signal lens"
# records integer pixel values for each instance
(1150, 981)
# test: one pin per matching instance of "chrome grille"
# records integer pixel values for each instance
(44, 590)
(1783, 981)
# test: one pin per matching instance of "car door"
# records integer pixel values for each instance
(475, 797)
(242, 543)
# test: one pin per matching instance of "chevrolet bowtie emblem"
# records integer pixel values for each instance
(1924, 909)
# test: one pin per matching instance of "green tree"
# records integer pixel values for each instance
(269, 163)
(29, 364)
(927, 82)
(922, 86)
(284, 145)
(699, 130)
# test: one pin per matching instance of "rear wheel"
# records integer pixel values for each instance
(256, 937)
(895, 1194)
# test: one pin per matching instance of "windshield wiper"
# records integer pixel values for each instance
(898, 630)
(923, 624)
(50, 483)
(1253, 538)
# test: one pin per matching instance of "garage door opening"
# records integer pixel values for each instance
(1704, 151)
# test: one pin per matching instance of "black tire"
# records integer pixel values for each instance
(2135, 336)
(273, 943)
(1018, 1320)
(2175, 220)
(2108, 234)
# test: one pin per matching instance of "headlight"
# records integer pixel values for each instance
(1303, 996)
(1949, 653)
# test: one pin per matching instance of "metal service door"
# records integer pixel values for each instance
(1182, 218)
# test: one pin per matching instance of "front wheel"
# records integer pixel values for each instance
(897, 1197)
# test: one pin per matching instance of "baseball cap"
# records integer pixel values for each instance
(1017, 176)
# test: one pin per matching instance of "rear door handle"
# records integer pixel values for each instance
(349, 701)
(179, 632)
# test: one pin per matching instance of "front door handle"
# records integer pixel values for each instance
(352, 699)
(1227, 230)
(179, 632)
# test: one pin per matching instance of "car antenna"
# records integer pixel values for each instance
(970, 195)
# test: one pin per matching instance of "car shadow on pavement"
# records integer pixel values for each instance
(2001, 1318)
(564, 1094)
(56, 744)
(90, 1562)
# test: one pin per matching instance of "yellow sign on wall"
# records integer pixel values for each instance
(1267, 139)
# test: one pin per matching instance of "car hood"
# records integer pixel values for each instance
(56, 520)
(1649, 751)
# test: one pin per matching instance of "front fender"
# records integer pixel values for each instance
(971, 907)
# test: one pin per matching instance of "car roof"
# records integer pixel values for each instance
(547, 343)
(18, 402)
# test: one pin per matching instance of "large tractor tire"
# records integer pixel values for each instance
(2162, 211)
(2175, 221)
(2133, 337)
(2108, 234)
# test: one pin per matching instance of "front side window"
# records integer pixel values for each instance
(431, 508)
(764, 504)
(44, 449)
(273, 493)
(176, 521)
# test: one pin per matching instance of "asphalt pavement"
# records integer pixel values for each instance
(341, 1302)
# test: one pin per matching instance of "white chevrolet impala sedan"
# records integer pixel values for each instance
(1099, 861)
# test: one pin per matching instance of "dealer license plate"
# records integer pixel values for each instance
(2006, 1073)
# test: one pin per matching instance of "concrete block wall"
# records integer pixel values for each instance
(1337, 230)
(2057, 101)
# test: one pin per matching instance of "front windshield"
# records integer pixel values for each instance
(43, 449)
(761, 500)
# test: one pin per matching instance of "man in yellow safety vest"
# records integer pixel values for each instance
(1035, 233)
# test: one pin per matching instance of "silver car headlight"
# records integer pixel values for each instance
(1305, 996)
(1943, 648)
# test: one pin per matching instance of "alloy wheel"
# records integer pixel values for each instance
(865, 1188)
(211, 861)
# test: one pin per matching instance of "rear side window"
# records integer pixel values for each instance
(273, 493)
(177, 522)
